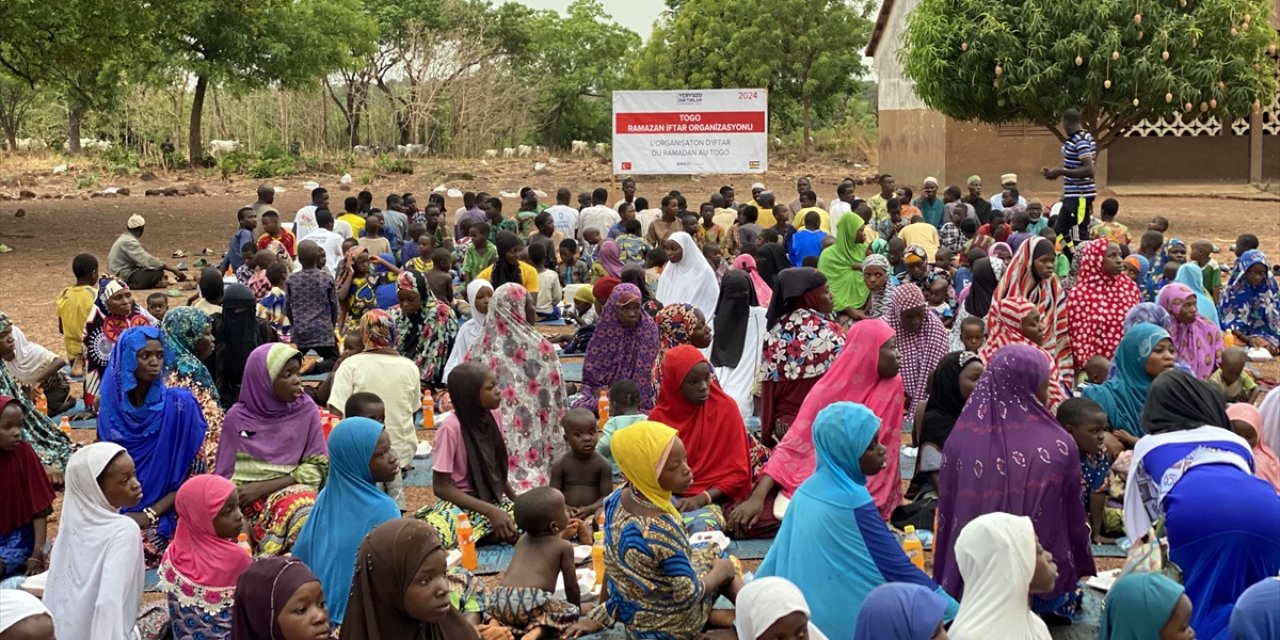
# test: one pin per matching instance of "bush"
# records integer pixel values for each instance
(391, 164)
(87, 181)
(233, 163)
(121, 161)
(273, 167)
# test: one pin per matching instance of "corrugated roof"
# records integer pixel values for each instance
(882, 23)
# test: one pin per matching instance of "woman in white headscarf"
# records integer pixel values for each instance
(775, 608)
(1002, 562)
(96, 577)
(22, 615)
(688, 278)
(478, 294)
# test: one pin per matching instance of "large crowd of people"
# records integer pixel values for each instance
(749, 370)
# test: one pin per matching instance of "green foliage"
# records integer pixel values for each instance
(234, 163)
(1001, 61)
(120, 160)
(392, 164)
(87, 181)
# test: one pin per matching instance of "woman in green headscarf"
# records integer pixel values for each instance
(1145, 606)
(842, 264)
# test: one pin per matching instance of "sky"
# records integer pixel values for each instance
(636, 15)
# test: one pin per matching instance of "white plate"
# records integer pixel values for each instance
(581, 553)
(1104, 580)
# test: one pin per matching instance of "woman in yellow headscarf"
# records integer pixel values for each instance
(657, 581)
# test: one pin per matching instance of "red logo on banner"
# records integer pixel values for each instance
(626, 166)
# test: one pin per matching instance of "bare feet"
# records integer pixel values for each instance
(77, 368)
(720, 618)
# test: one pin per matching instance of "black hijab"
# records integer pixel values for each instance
(791, 285)
(731, 319)
(978, 302)
(1179, 401)
(771, 259)
(486, 450)
(1040, 250)
(236, 335)
(945, 400)
(503, 272)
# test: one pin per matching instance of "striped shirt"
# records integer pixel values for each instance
(1078, 146)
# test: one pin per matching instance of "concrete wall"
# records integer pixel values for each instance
(913, 145)
(1182, 159)
(978, 148)
(1271, 158)
(895, 91)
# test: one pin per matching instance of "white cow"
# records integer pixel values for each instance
(490, 153)
(524, 150)
(578, 147)
(508, 152)
(89, 144)
(600, 148)
(219, 148)
(541, 150)
(362, 150)
(29, 144)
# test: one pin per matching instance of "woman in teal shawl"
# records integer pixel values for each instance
(348, 508)
(187, 332)
(1192, 275)
(1124, 393)
(833, 544)
(1141, 606)
(842, 264)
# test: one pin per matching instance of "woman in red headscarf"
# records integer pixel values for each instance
(707, 420)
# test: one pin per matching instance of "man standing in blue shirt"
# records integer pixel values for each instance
(248, 219)
(1078, 189)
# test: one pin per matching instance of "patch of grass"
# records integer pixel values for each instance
(366, 178)
(391, 164)
(88, 181)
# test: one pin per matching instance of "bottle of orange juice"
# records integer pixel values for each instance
(597, 557)
(602, 407)
(912, 546)
(428, 410)
(243, 541)
(65, 424)
(466, 544)
(42, 402)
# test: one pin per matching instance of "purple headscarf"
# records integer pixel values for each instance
(616, 352)
(260, 425)
(1007, 453)
(610, 258)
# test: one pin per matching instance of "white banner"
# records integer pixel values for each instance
(689, 132)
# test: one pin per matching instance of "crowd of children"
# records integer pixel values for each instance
(682, 312)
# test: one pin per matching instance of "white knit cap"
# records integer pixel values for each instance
(1009, 177)
(136, 221)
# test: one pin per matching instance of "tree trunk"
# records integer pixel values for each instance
(807, 122)
(74, 117)
(11, 136)
(195, 146)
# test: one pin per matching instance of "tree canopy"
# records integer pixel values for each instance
(1002, 61)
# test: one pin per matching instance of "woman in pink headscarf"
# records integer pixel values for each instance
(865, 372)
(1196, 340)
(1246, 421)
(610, 258)
(764, 292)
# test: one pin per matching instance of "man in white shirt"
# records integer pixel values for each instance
(564, 216)
(843, 205)
(1007, 181)
(599, 215)
(304, 222)
(328, 241)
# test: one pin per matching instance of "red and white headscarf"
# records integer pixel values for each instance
(1004, 327)
(1097, 304)
(1047, 295)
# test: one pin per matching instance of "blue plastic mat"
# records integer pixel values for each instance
(1108, 551)
(571, 371)
(750, 548)
(420, 476)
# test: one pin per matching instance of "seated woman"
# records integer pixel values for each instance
(237, 331)
(764, 293)
(842, 265)
(799, 315)
(833, 544)
(1001, 562)
(740, 325)
(96, 575)
(921, 340)
(1196, 341)
(687, 278)
(1251, 303)
(400, 589)
(273, 449)
(949, 388)
(679, 324)
(202, 564)
(1192, 472)
(1015, 320)
(27, 496)
(279, 599)
(34, 366)
(161, 427)
(901, 611)
(1255, 616)
(24, 617)
(1146, 605)
(188, 343)
(52, 446)
(349, 506)
(425, 327)
(634, 274)
(478, 294)
(1191, 275)
(114, 311)
(880, 286)
(1145, 352)
(469, 472)
(865, 372)
(658, 585)
(1031, 467)
(1098, 301)
(624, 347)
(711, 429)
(773, 608)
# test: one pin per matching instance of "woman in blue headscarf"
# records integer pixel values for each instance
(349, 507)
(1145, 352)
(1251, 302)
(1192, 275)
(1141, 606)
(188, 339)
(1256, 616)
(900, 611)
(161, 427)
(833, 544)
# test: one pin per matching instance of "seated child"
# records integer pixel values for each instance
(524, 600)
(582, 475)
(807, 241)
(1095, 372)
(28, 499)
(573, 270)
(258, 282)
(1086, 421)
(158, 305)
(939, 290)
(973, 333)
(1109, 228)
(624, 411)
(810, 262)
(272, 306)
(364, 404)
(1158, 223)
(944, 262)
(73, 305)
(654, 263)
(711, 251)
(477, 251)
(440, 275)
(412, 249)
(547, 301)
(1236, 383)
(1117, 479)
(421, 262)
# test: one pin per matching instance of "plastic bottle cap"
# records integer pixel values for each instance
(243, 537)
(909, 529)
(598, 536)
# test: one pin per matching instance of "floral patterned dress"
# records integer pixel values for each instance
(797, 352)
(533, 397)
